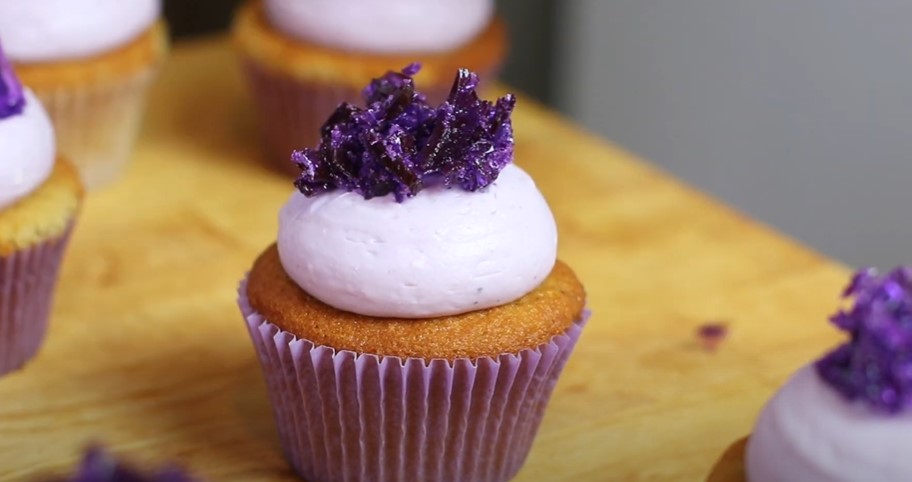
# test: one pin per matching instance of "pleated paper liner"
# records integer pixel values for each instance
(97, 124)
(360, 417)
(27, 281)
(97, 102)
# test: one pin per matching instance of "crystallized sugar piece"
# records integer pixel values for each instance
(399, 144)
(98, 466)
(875, 365)
(12, 98)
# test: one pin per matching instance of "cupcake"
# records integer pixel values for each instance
(39, 199)
(91, 63)
(303, 57)
(848, 416)
(412, 320)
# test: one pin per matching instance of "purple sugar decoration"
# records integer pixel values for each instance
(712, 334)
(99, 466)
(12, 98)
(875, 365)
(399, 144)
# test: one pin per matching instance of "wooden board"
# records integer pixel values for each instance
(148, 353)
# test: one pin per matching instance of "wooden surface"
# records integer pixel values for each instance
(149, 355)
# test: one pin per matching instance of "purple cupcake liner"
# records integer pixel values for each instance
(343, 416)
(292, 111)
(27, 281)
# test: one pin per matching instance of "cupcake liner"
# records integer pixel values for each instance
(344, 416)
(97, 124)
(27, 281)
(292, 111)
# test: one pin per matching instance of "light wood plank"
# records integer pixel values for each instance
(149, 355)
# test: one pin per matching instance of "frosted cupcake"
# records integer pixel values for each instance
(304, 57)
(848, 416)
(412, 320)
(39, 199)
(91, 63)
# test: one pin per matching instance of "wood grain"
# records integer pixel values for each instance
(148, 353)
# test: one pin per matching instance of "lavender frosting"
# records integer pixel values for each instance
(443, 252)
(412, 211)
(382, 26)
(27, 149)
(54, 30)
(810, 433)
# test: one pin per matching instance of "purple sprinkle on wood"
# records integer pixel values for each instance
(711, 334)
(99, 466)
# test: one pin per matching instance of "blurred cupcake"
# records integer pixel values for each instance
(91, 63)
(848, 416)
(412, 319)
(304, 57)
(39, 199)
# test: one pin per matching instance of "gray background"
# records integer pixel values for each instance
(798, 112)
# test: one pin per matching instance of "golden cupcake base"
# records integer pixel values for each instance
(730, 467)
(533, 320)
(257, 40)
(148, 50)
(44, 214)
(97, 103)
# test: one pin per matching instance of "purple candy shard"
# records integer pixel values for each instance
(875, 365)
(99, 466)
(399, 144)
(12, 98)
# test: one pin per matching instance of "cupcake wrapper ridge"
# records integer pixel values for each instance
(27, 281)
(342, 416)
(97, 124)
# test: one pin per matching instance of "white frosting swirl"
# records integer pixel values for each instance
(442, 252)
(810, 433)
(26, 151)
(51, 30)
(382, 25)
